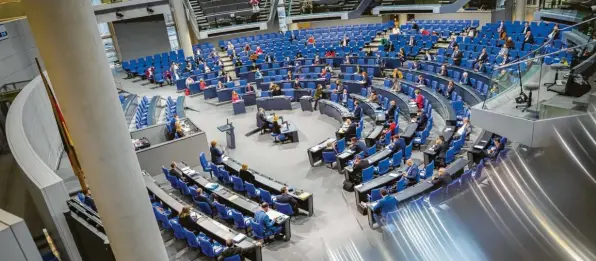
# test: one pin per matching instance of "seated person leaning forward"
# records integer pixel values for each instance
(265, 222)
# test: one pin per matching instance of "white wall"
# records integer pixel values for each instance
(362, 20)
(483, 16)
(17, 53)
(142, 37)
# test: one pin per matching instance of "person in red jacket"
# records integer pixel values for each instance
(419, 99)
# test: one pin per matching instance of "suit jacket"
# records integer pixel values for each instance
(215, 155)
(245, 175)
(386, 205)
(344, 97)
(396, 146)
(412, 173)
(441, 149)
(203, 198)
(465, 80)
(391, 111)
(357, 112)
(529, 39)
(483, 57)
(187, 222)
(442, 181)
(422, 120)
(263, 220)
(287, 199)
(526, 29)
(363, 164)
(234, 250)
(176, 173)
(358, 147)
(351, 131)
(457, 55)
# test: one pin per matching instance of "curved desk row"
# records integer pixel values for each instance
(334, 110)
(440, 104)
(207, 77)
(356, 177)
(295, 94)
(250, 76)
(195, 89)
(212, 228)
(310, 68)
(371, 70)
(275, 103)
(263, 66)
(151, 114)
(423, 187)
(305, 199)
(371, 109)
(307, 83)
(483, 77)
(403, 103)
(180, 107)
(468, 94)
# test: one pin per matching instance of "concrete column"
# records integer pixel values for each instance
(402, 18)
(182, 27)
(520, 10)
(66, 35)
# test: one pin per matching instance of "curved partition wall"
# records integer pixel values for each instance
(34, 140)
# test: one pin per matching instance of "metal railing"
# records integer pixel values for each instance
(191, 16)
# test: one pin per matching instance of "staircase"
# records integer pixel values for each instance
(203, 23)
(201, 20)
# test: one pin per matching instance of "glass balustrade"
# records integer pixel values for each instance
(307, 7)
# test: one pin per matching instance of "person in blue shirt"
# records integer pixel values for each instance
(385, 206)
(264, 221)
(258, 74)
(344, 97)
(396, 144)
(412, 173)
(357, 145)
(216, 154)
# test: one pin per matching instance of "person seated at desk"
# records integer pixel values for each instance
(442, 179)
(421, 119)
(373, 97)
(269, 58)
(276, 91)
(258, 74)
(311, 40)
(246, 175)
(88, 200)
(457, 55)
(290, 76)
(264, 221)
(412, 174)
(316, 60)
(249, 88)
(464, 79)
(216, 154)
(509, 43)
(201, 197)
(443, 71)
(554, 34)
(419, 99)
(330, 147)
(297, 84)
(428, 56)
(175, 172)
(397, 74)
(185, 219)
(482, 57)
(233, 250)
(179, 130)
(505, 60)
(238, 63)
(420, 80)
(452, 44)
(339, 86)
(230, 46)
(189, 81)
(259, 50)
(235, 96)
(265, 125)
(390, 113)
(220, 86)
(254, 67)
(357, 145)
(384, 206)
(415, 66)
(229, 78)
(202, 84)
(346, 59)
(401, 56)
(529, 38)
(298, 56)
(479, 67)
(276, 130)
(343, 98)
(465, 127)
(440, 148)
(450, 91)
(350, 128)
(412, 41)
(286, 198)
(494, 151)
(357, 111)
(396, 144)
(360, 164)
(345, 41)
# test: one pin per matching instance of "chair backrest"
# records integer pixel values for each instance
(284, 208)
(401, 184)
(397, 158)
(383, 166)
(341, 145)
(191, 239)
(266, 196)
(257, 230)
(250, 189)
(206, 247)
(238, 219)
(224, 176)
(453, 188)
(428, 171)
(435, 196)
(367, 174)
(372, 150)
(329, 157)
(238, 185)
(375, 195)
(408, 152)
(205, 208)
(222, 210)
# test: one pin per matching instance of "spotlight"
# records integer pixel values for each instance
(119, 15)
(150, 10)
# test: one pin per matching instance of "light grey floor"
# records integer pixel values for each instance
(336, 230)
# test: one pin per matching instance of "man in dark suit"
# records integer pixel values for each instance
(482, 57)
(411, 42)
(390, 114)
(396, 144)
(287, 199)
(262, 120)
(414, 26)
(89, 201)
(386, 205)
(200, 197)
(442, 179)
(420, 80)
(351, 130)
(494, 151)
(526, 29)
(456, 56)
(357, 145)
(246, 175)
(529, 38)
(175, 172)
(421, 119)
(232, 250)
(357, 111)
(360, 164)
(465, 80)
(452, 44)
(412, 173)
(440, 149)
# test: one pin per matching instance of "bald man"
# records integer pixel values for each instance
(232, 250)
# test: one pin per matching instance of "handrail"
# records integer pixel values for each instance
(272, 9)
(14, 84)
(541, 56)
(193, 23)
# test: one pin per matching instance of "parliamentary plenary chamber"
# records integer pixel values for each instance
(265, 130)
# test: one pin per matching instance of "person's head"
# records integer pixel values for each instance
(466, 120)
(356, 102)
(330, 145)
(450, 85)
(383, 192)
(284, 190)
(265, 207)
(173, 165)
(442, 67)
(509, 39)
(185, 211)
(410, 162)
(483, 50)
(213, 143)
(442, 172)
(412, 37)
(417, 92)
(234, 93)
(357, 159)
(441, 137)
(556, 26)
(354, 140)
(392, 102)
(420, 77)
(345, 91)
(497, 142)
(229, 242)
(419, 112)
(319, 86)
(199, 191)
(348, 121)
(526, 24)
(465, 74)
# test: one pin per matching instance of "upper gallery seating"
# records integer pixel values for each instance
(221, 13)
(303, 7)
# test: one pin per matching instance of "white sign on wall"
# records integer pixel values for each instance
(3, 32)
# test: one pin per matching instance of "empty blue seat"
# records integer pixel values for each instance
(205, 208)
(238, 185)
(284, 208)
(397, 159)
(368, 174)
(209, 249)
(383, 166)
(266, 196)
(222, 211)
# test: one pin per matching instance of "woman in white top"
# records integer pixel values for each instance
(206, 68)
(189, 81)
(198, 52)
(174, 70)
(396, 30)
(230, 46)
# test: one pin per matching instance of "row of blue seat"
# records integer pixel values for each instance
(141, 114)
